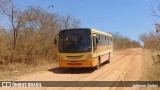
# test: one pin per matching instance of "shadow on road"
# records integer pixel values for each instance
(74, 70)
(71, 71)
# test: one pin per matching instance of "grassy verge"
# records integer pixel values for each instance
(150, 68)
(14, 70)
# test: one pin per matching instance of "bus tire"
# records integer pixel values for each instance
(99, 63)
(108, 58)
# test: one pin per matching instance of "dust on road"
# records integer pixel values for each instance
(125, 66)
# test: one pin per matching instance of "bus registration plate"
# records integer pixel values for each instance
(74, 63)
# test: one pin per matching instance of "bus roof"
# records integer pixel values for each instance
(93, 30)
(75, 28)
(100, 32)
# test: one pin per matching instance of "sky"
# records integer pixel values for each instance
(128, 17)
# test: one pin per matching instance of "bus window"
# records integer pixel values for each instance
(107, 40)
(110, 38)
(75, 43)
(97, 36)
(94, 43)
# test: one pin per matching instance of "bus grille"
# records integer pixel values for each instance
(75, 57)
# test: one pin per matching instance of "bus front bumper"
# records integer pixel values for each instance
(77, 64)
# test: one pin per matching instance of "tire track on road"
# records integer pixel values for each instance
(119, 62)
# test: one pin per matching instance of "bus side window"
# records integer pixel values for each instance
(107, 40)
(95, 43)
(98, 38)
(101, 42)
(110, 38)
(102, 37)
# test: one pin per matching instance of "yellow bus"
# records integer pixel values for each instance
(83, 47)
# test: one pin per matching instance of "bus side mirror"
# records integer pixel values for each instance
(55, 41)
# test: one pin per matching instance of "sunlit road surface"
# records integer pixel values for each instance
(125, 66)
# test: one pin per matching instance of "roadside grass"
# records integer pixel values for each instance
(13, 70)
(151, 66)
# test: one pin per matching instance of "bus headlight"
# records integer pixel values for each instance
(88, 57)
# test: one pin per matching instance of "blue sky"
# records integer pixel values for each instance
(128, 17)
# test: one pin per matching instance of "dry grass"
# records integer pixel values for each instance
(156, 59)
(14, 70)
(150, 70)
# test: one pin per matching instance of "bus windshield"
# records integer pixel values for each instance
(74, 41)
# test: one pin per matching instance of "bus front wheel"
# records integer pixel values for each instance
(99, 63)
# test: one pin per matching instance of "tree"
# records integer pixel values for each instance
(32, 33)
(69, 22)
(123, 42)
(8, 8)
(151, 40)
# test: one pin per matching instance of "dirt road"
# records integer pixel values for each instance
(124, 66)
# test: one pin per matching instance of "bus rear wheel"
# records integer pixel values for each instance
(109, 58)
